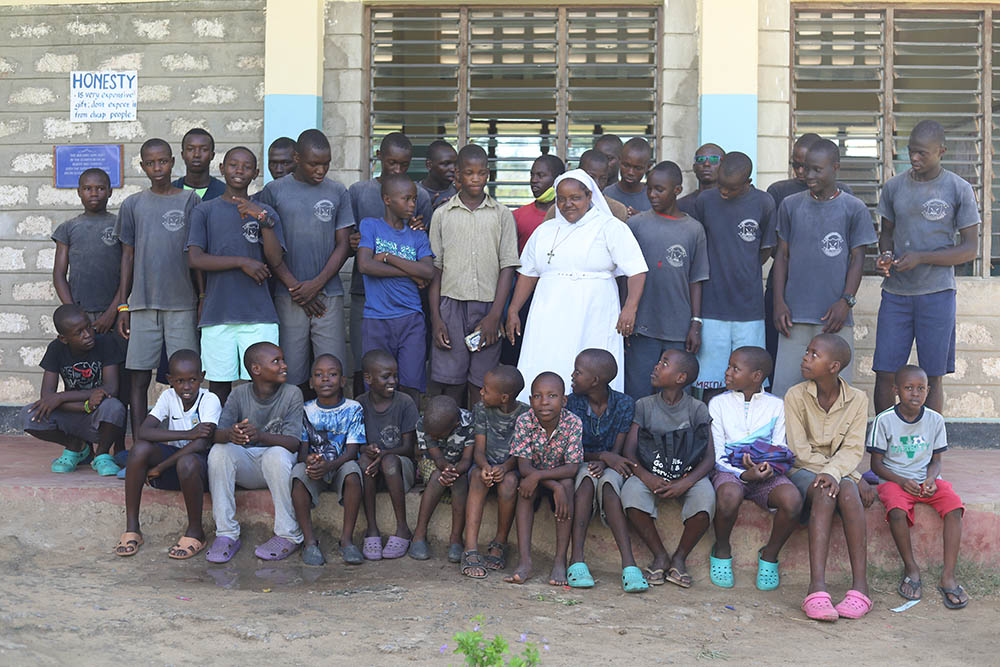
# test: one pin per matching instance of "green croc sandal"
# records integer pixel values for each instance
(767, 574)
(105, 465)
(578, 575)
(69, 460)
(633, 581)
(721, 571)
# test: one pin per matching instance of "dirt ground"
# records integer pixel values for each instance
(83, 605)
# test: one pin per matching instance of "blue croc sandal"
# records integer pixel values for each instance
(578, 576)
(633, 581)
(767, 574)
(69, 460)
(104, 465)
(721, 571)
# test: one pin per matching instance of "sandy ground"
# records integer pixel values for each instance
(73, 604)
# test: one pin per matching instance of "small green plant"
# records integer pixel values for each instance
(493, 653)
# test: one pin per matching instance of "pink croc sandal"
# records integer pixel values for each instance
(395, 547)
(854, 605)
(819, 607)
(372, 548)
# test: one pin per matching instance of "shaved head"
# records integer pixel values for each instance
(688, 364)
(441, 415)
(330, 358)
(839, 349)
(392, 183)
(599, 362)
(548, 377)
(756, 359)
(670, 171)
(710, 149)
(806, 140)
(67, 314)
(593, 159)
(928, 132)
(827, 149)
(472, 154)
(611, 141)
(736, 165)
(910, 371)
(638, 146)
(181, 357)
(255, 353)
(375, 359)
(508, 379)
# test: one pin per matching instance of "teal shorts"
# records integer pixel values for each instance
(718, 340)
(223, 345)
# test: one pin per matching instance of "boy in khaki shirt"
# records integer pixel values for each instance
(825, 421)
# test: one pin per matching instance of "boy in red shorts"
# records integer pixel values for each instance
(906, 444)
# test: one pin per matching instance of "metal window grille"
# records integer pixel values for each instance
(865, 77)
(520, 82)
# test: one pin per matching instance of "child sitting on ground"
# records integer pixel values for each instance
(906, 444)
(256, 445)
(332, 433)
(549, 450)
(670, 443)
(86, 410)
(390, 431)
(171, 453)
(444, 435)
(746, 417)
(825, 420)
(607, 417)
(493, 420)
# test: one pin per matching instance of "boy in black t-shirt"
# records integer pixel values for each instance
(87, 410)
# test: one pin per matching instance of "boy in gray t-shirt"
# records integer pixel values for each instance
(906, 443)
(161, 299)
(923, 210)
(822, 234)
(309, 297)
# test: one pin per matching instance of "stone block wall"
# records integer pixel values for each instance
(679, 80)
(773, 91)
(200, 63)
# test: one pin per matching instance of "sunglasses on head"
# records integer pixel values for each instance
(711, 159)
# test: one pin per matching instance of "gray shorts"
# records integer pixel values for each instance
(803, 479)
(407, 467)
(78, 424)
(610, 476)
(458, 365)
(151, 329)
(333, 482)
(296, 331)
(357, 346)
(787, 362)
(699, 498)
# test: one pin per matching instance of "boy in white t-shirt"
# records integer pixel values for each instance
(171, 453)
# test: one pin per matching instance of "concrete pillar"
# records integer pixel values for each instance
(728, 75)
(293, 69)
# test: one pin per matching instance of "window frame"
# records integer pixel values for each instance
(984, 260)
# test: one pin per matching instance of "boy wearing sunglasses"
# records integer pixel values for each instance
(706, 170)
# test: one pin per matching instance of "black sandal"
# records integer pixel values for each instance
(496, 562)
(471, 562)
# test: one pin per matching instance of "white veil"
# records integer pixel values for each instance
(599, 206)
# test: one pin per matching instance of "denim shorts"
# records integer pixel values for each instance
(927, 318)
(718, 340)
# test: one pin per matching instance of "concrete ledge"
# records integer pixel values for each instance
(49, 511)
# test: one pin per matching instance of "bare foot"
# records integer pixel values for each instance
(558, 576)
(521, 575)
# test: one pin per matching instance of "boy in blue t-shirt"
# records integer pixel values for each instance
(333, 430)
(235, 242)
(394, 261)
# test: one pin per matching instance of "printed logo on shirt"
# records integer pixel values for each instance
(676, 254)
(748, 230)
(391, 436)
(273, 426)
(173, 220)
(323, 210)
(83, 374)
(108, 236)
(393, 248)
(832, 244)
(935, 209)
(251, 231)
(909, 445)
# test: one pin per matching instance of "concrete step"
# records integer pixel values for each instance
(48, 510)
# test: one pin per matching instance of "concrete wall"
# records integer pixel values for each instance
(679, 80)
(344, 87)
(773, 91)
(200, 63)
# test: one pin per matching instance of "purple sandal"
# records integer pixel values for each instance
(395, 547)
(276, 548)
(372, 548)
(223, 549)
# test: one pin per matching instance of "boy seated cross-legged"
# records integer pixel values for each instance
(751, 460)
(332, 433)
(906, 444)
(825, 420)
(607, 417)
(670, 442)
(171, 453)
(548, 445)
(493, 422)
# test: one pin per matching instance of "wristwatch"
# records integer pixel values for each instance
(849, 298)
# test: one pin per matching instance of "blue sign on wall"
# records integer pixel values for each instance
(73, 160)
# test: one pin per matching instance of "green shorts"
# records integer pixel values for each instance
(223, 345)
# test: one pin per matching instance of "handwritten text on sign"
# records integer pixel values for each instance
(103, 96)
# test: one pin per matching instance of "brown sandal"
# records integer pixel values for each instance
(186, 547)
(128, 544)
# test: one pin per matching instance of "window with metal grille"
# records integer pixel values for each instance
(865, 77)
(518, 82)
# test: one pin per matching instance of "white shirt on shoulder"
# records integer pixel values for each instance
(734, 419)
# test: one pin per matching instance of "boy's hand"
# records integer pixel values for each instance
(97, 396)
(315, 308)
(674, 489)
(371, 451)
(317, 467)
(441, 338)
(693, 341)
(486, 474)
(124, 324)
(305, 291)
(372, 468)
(256, 270)
(756, 472)
(912, 488)
(489, 330)
(417, 223)
(626, 321)
(631, 211)
(106, 321)
(380, 257)
(883, 263)
(43, 407)
(783, 319)
(448, 476)
(421, 283)
(527, 486)
(498, 473)
(153, 473)
(910, 260)
(618, 463)
(596, 468)
(835, 316)
(867, 493)
(243, 433)
(247, 209)
(561, 502)
(201, 431)
(928, 488)
(355, 240)
(827, 484)
(513, 328)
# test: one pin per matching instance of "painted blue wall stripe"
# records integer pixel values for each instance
(731, 122)
(288, 116)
